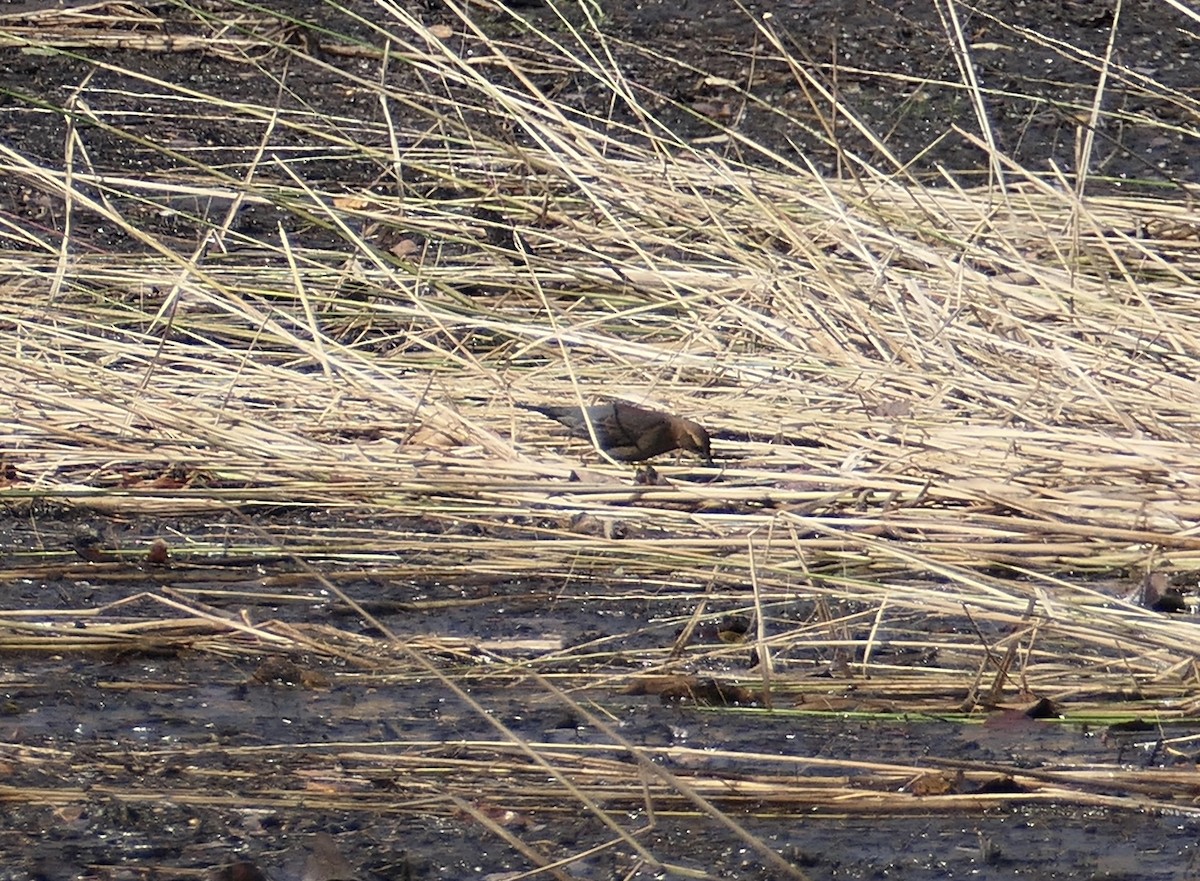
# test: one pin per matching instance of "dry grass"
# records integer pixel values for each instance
(930, 402)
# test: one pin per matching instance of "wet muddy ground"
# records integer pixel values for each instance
(189, 751)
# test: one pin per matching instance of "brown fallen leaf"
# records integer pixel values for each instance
(159, 553)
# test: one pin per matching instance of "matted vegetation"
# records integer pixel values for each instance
(954, 423)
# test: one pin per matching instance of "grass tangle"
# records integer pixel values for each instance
(952, 421)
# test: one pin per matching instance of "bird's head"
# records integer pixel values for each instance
(694, 439)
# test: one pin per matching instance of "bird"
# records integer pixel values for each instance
(630, 433)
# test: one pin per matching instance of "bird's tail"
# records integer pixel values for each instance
(544, 409)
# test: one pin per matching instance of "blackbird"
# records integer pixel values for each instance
(630, 433)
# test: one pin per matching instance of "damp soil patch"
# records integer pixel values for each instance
(297, 585)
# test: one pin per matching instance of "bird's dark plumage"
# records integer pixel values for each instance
(631, 433)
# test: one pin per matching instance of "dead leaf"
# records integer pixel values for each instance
(405, 248)
(159, 553)
(351, 203)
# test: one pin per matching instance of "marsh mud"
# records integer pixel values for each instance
(228, 716)
(180, 751)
